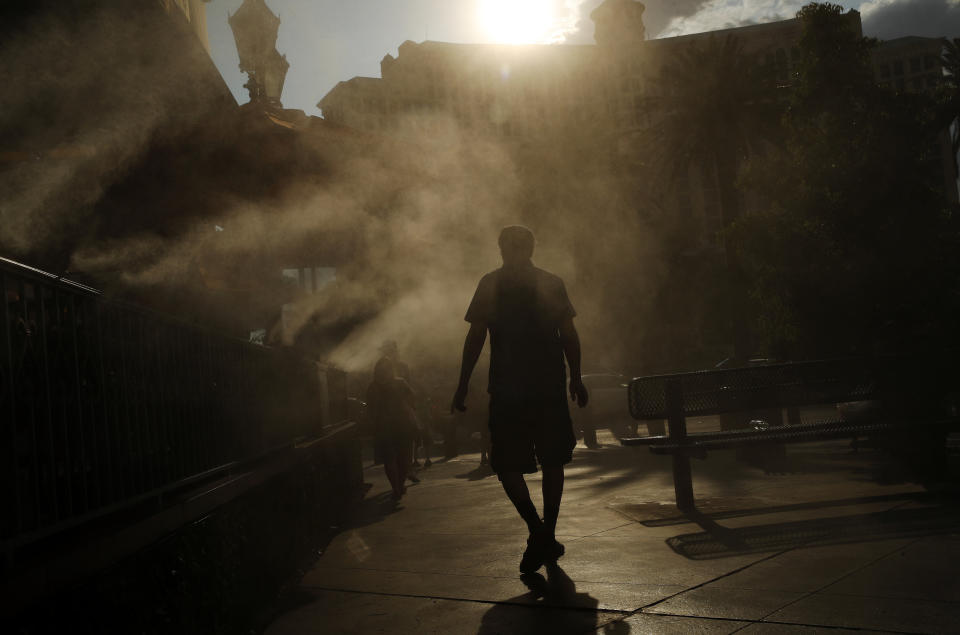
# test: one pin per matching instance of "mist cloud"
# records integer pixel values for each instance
(84, 96)
(420, 212)
(416, 211)
(424, 211)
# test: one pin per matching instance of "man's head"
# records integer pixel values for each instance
(516, 244)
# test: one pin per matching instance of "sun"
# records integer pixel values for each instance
(517, 21)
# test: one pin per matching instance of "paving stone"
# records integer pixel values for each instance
(368, 614)
(735, 604)
(907, 616)
(915, 571)
(808, 570)
(617, 597)
(649, 624)
(760, 628)
(445, 560)
(428, 553)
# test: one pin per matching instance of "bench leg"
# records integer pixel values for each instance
(683, 482)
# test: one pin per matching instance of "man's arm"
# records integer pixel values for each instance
(472, 347)
(570, 340)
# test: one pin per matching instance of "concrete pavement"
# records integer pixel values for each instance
(842, 542)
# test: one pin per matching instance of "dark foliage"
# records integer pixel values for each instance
(855, 247)
(719, 106)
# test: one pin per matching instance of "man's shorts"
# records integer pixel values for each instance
(524, 431)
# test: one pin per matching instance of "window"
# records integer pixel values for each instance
(929, 61)
(291, 276)
(916, 83)
(898, 67)
(885, 70)
(915, 65)
(309, 279)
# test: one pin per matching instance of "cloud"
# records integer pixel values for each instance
(888, 19)
(567, 22)
(724, 14)
(657, 16)
(885, 19)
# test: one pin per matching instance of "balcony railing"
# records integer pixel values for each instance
(103, 405)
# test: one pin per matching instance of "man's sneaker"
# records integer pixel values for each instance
(533, 555)
(552, 550)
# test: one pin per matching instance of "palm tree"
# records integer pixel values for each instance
(717, 107)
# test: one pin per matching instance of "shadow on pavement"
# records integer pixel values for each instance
(372, 510)
(536, 611)
(477, 474)
(718, 509)
(719, 542)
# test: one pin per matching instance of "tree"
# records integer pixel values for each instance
(854, 250)
(718, 107)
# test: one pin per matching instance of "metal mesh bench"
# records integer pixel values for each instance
(910, 393)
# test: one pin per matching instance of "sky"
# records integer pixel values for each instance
(327, 41)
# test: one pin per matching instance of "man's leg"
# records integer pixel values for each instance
(552, 493)
(390, 467)
(403, 467)
(516, 488)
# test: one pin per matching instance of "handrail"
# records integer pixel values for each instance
(102, 403)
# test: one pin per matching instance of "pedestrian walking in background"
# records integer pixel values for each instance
(391, 351)
(390, 409)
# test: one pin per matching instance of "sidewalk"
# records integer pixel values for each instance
(842, 543)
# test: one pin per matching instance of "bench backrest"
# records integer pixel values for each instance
(790, 384)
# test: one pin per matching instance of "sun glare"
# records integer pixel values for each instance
(518, 21)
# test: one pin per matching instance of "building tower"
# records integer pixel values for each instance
(619, 22)
(255, 31)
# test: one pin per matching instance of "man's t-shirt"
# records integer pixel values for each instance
(523, 308)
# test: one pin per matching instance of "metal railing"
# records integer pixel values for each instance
(103, 404)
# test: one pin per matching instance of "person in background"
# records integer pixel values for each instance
(390, 350)
(390, 410)
(530, 319)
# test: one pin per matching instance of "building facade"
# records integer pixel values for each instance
(194, 12)
(532, 90)
(909, 64)
(531, 94)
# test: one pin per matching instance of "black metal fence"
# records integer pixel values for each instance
(103, 404)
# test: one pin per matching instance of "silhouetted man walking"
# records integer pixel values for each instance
(530, 319)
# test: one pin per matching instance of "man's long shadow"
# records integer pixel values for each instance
(552, 605)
